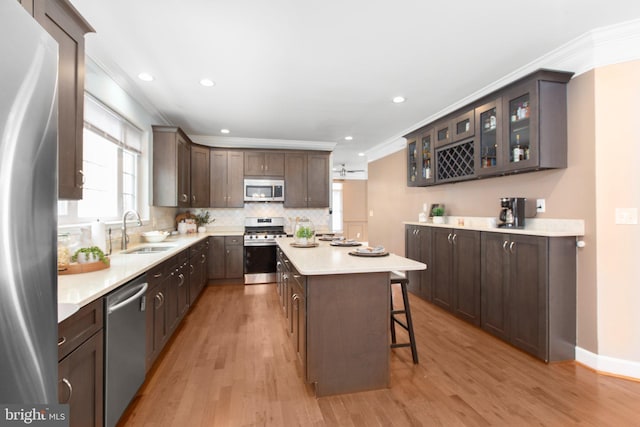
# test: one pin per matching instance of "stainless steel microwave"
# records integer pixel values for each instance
(264, 190)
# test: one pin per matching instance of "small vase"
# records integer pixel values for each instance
(202, 229)
(304, 232)
(438, 220)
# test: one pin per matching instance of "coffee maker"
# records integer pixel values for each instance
(511, 212)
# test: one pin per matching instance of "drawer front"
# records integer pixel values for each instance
(233, 240)
(76, 329)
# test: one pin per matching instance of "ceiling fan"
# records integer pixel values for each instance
(344, 171)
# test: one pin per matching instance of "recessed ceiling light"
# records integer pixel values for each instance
(398, 100)
(348, 138)
(146, 77)
(361, 154)
(207, 82)
(224, 131)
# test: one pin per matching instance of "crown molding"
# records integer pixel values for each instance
(282, 144)
(597, 48)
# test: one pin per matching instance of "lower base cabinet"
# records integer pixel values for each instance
(528, 293)
(226, 255)
(456, 272)
(197, 269)
(418, 248)
(519, 288)
(81, 365)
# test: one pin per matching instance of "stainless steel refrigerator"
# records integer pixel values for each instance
(28, 209)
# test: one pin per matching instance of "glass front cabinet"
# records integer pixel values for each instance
(488, 155)
(519, 128)
(520, 150)
(420, 164)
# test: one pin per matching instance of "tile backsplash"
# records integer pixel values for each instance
(235, 217)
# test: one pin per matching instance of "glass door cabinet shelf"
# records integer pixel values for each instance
(519, 128)
(488, 155)
(420, 159)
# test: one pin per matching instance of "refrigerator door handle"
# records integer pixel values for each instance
(129, 300)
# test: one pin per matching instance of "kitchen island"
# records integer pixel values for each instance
(338, 313)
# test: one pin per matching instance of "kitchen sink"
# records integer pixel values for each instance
(148, 249)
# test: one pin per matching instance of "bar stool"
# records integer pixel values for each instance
(397, 277)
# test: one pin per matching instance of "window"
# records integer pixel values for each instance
(112, 149)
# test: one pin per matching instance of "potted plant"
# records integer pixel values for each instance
(304, 232)
(87, 255)
(438, 214)
(202, 219)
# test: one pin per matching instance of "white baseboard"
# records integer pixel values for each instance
(608, 365)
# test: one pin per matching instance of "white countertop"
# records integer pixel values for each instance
(533, 226)
(327, 259)
(81, 289)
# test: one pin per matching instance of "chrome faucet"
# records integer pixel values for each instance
(125, 238)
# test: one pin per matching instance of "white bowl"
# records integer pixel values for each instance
(155, 236)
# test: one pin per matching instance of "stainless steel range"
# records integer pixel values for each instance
(260, 248)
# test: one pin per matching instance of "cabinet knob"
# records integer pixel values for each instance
(511, 246)
(455, 236)
(449, 238)
(61, 341)
(185, 198)
(193, 198)
(69, 387)
(504, 245)
(82, 178)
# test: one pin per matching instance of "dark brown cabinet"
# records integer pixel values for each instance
(81, 365)
(225, 257)
(200, 179)
(156, 313)
(264, 163)
(292, 292)
(421, 160)
(463, 126)
(298, 318)
(171, 167)
(197, 269)
(519, 128)
(528, 293)
(456, 272)
(307, 182)
(535, 117)
(418, 247)
(227, 179)
(60, 19)
(180, 282)
(489, 153)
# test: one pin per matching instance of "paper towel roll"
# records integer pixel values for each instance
(99, 235)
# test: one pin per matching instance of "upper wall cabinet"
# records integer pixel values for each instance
(420, 158)
(60, 19)
(171, 167)
(307, 182)
(519, 128)
(264, 163)
(200, 179)
(226, 169)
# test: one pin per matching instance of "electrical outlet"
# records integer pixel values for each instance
(541, 206)
(627, 216)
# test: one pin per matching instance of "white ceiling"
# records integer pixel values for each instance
(319, 71)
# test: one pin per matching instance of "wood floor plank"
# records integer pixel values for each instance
(231, 363)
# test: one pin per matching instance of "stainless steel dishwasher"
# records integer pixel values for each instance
(125, 328)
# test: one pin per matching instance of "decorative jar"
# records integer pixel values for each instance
(304, 232)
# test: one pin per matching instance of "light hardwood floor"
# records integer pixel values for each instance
(231, 363)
